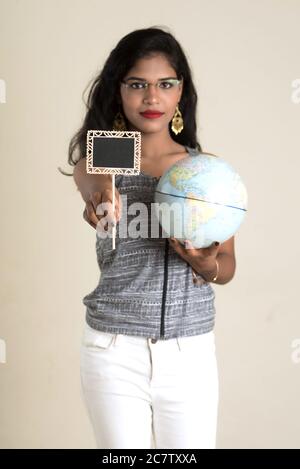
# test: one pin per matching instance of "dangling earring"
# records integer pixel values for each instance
(119, 122)
(177, 121)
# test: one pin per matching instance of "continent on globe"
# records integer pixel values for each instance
(200, 198)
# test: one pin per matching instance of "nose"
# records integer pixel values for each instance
(151, 93)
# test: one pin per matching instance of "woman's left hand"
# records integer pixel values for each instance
(201, 259)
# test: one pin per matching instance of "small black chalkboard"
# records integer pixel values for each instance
(113, 152)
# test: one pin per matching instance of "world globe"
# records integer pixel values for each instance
(201, 198)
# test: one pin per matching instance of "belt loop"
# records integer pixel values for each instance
(115, 339)
(178, 343)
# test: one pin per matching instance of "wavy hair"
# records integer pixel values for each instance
(104, 100)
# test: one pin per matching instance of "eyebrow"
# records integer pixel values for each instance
(144, 79)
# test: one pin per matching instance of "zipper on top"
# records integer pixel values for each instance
(165, 286)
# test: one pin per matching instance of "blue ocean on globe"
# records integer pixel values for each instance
(200, 198)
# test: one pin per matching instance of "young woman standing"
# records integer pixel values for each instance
(148, 363)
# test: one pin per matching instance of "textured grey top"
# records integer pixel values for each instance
(145, 287)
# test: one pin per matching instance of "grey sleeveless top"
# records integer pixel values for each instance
(145, 287)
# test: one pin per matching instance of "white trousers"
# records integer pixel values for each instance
(141, 394)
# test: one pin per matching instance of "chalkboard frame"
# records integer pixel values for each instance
(92, 134)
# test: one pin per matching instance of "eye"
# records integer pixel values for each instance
(166, 84)
(137, 85)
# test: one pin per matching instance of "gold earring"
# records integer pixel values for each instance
(119, 122)
(177, 121)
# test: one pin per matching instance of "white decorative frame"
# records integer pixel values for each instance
(91, 134)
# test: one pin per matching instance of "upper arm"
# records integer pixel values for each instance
(79, 169)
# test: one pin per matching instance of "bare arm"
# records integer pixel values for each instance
(203, 260)
(89, 183)
(227, 263)
(95, 189)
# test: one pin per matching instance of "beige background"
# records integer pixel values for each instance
(244, 56)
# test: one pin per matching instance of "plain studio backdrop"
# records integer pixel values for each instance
(244, 56)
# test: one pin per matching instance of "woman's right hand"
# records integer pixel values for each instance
(96, 198)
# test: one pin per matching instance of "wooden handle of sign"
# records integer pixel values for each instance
(113, 210)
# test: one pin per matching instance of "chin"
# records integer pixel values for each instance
(150, 129)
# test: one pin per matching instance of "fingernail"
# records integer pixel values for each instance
(188, 243)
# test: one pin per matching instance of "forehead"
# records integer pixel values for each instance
(156, 66)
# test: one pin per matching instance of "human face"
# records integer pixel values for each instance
(160, 98)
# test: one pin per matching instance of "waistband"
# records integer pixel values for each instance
(182, 343)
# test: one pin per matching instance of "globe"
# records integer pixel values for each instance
(201, 198)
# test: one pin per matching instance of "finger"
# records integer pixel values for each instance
(87, 220)
(192, 251)
(90, 213)
(120, 208)
(106, 200)
(95, 199)
(212, 249)
(178, 247)
(105, 211)
(118, 204)
(98, 198)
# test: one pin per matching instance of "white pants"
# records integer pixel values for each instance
(141, 394)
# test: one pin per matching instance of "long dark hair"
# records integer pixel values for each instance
(104, 99)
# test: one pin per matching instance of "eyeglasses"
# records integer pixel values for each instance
(140, 86)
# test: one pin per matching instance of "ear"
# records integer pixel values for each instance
(180, 89)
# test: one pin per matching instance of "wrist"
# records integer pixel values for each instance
(208, 274)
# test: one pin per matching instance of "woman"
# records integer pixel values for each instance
(148, 364)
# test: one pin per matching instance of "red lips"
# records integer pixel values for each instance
(151, 114)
